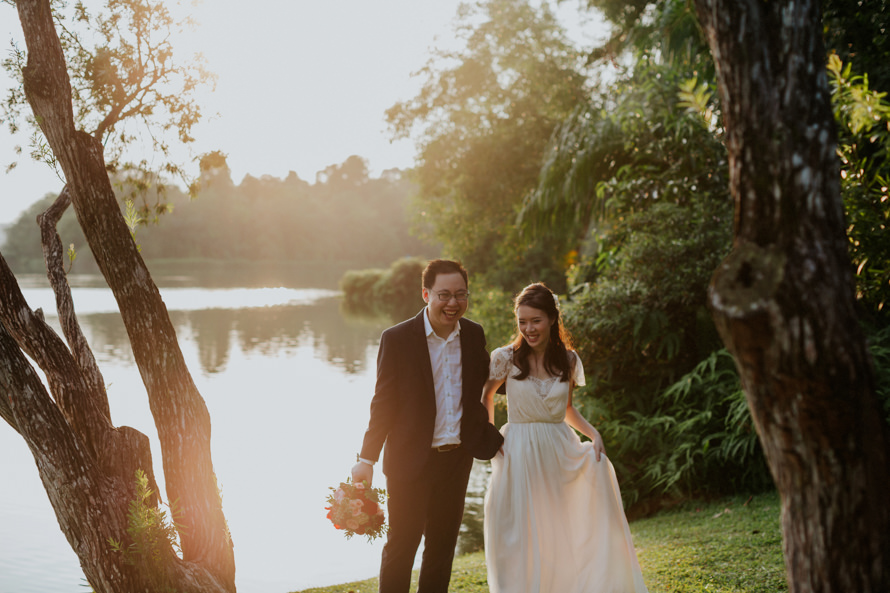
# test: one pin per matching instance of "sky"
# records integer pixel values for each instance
(302, 84)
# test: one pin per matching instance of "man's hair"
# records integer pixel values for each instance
(442, 266)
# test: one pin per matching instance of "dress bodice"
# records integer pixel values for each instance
(533, 399)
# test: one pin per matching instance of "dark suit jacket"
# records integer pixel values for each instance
(403, 410)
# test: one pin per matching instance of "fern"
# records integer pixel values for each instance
(153, 536)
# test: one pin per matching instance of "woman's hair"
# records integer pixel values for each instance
(556, 356)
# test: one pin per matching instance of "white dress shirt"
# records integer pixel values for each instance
(445, 360)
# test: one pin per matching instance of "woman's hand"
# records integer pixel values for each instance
(598, 445)
(579, 423)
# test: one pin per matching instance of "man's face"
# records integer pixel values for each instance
(445, 313)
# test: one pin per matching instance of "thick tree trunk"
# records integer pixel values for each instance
(87, 465)
(784, 301)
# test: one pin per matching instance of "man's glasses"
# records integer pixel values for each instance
(446, 296)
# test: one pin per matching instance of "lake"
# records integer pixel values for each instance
(287, 377)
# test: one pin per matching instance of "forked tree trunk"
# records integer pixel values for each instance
(86, 465)
(784, 298)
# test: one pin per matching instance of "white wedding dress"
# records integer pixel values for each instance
(554, 522)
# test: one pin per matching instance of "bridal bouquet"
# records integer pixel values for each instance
(357, 510)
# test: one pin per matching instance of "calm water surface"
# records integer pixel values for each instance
(287, 379)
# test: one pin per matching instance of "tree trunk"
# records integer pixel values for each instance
(784, 298)
(86, 464)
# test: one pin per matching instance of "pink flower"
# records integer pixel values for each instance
(354, 508)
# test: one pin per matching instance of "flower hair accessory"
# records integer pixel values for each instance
(356, 510)
(555, 300)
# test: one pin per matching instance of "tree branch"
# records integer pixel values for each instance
(55, 271)
(41, 343)
(12, 370)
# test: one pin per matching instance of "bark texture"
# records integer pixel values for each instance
(86, 464)
(784, 298)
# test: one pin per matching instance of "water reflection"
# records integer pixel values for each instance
(471, 529)
(213, 334)
(255, 330)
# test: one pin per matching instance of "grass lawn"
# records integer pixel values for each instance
(732, 545)
(726, 546)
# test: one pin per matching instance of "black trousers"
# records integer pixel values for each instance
(430, 505)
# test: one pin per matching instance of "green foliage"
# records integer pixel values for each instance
(697, 98)
(863, 117)
(358, 288)
(638, 310)
(128, 91)
(638, 178)
(697, 437)
(132, 219)
(666, 31)
(633, 145)
(658, 391)
(72, 256)
(153, 537)
(395, 291)
(482, 120)
(493, 308)
(857, 31)
(879, 345)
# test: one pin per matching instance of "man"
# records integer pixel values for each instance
(427, 409)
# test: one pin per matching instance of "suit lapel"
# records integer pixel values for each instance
(423, 353)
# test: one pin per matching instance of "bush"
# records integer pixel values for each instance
(358, 288)
(398, 291)
(698, 438)
(660, 389)
(395, 292)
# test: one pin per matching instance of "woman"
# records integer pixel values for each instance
(554, 522)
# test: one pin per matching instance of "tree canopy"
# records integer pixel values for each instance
(482, 121)
(339, 220)
(130, 90)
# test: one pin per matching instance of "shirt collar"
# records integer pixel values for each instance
(428, 327)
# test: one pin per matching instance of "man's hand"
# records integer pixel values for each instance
(362, 472)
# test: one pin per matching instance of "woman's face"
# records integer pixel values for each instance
(534, 325)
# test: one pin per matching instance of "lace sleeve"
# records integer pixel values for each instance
(577, 369)
(501, 361)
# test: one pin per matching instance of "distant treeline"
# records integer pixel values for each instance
(344, 217)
